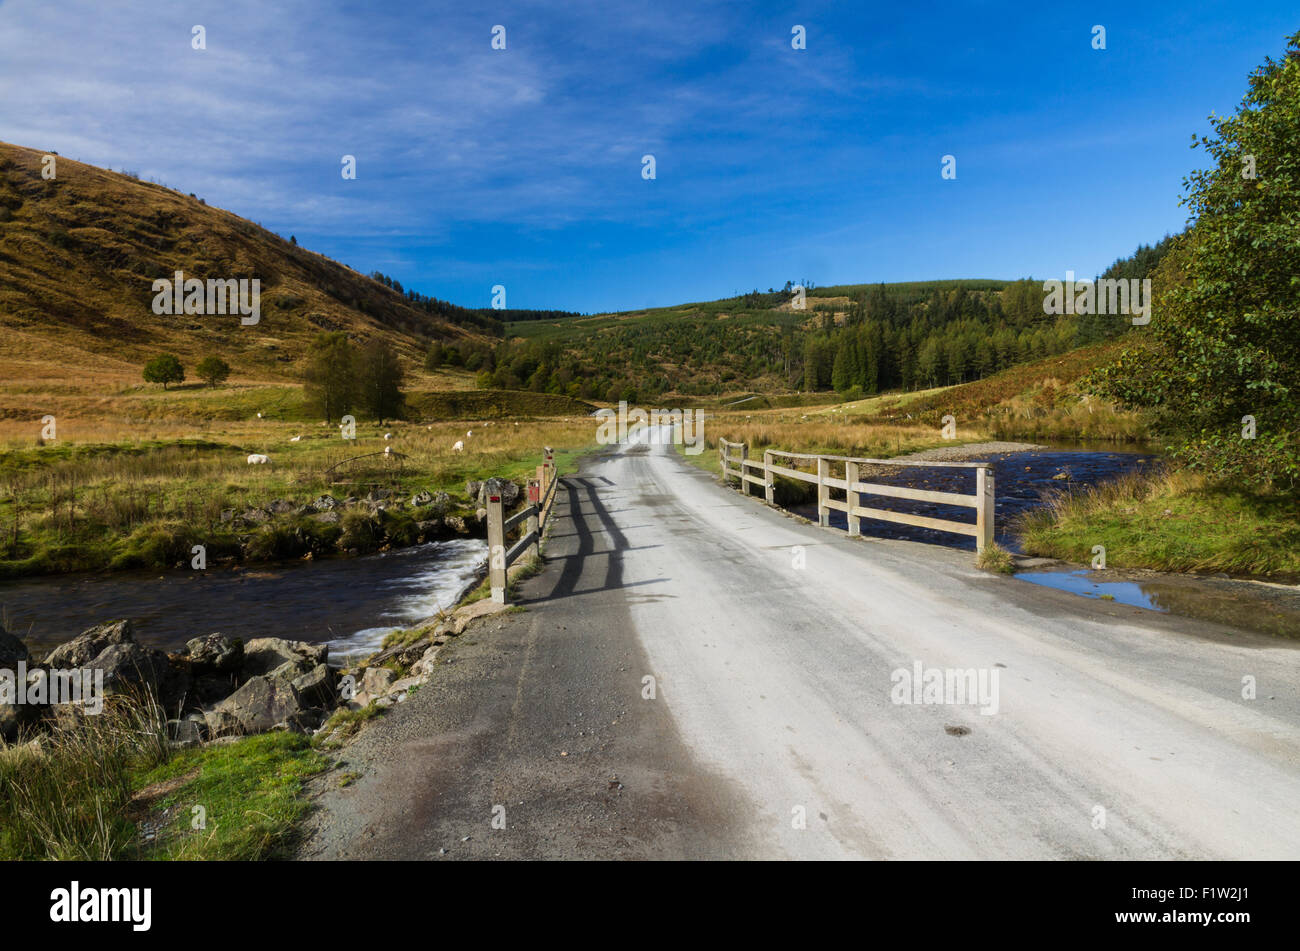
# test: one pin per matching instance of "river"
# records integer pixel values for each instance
(1020, 480)
(349, 603)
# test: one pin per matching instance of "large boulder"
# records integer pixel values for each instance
(131, 669)
(261, 704)
(12, 650)
(479, 491)
(215, 654)
(316, 687)
(88, 645)
(265, 655)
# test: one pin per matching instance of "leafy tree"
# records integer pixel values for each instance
(380, 380)
(164, 369)
(434, 358)
(213, 370)
(1224, 337)
(331, 376)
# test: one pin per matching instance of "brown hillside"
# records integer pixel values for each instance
(79, 255)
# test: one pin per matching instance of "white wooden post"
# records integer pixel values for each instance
(823, 492)
(496, 548)
(984, 508)
(769, 480)
(744, 455)
(532, 525)
(851, 497)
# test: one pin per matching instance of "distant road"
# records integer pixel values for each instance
(1120, 733)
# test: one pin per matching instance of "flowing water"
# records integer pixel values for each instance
(349, 603)
(1020, 480)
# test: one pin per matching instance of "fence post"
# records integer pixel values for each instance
(744, 456)
(534, 522)
(823, 492)
(984, 508)
(496, 548)
(851, 497)
(769, 480)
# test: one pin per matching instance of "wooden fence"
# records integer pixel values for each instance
(541, 497)
(736, 464)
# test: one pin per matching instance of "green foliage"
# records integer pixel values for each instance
(331, 376)
(164, 369)
(380, 381)
(213, 370)
(1224, 340)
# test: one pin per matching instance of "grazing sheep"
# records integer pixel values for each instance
(387, 450)
(295, 439)
(259, 415)
(459, 447)
(258, 459)
(388, 436)
(470, 433)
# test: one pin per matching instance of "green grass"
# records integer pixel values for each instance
(347, 722)
(93, 792)
(1172, 522)
(250, 792)
(996, 559)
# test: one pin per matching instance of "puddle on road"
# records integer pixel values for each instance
(1237, 604)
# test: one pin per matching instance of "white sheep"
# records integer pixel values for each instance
(259, 415)
(468, 434)
(459, 447)
(258, 459)
(295, 439)
(388, 436)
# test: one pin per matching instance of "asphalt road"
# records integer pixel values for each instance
(774, 731)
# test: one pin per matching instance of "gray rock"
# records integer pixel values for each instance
(254, 516)
(131, 669)
(316, 687)
(261, 704)
(184, 733)
(456, 524)
(327, 518)
(263, 655)
(422, 499)
(479, 491)
(325, 503)
(377, 680)
(281, 507)
(215, 653)
(88, 645)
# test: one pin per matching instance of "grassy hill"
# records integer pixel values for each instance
(79, 254)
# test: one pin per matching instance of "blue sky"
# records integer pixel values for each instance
(522, 167)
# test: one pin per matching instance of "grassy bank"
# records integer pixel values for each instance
(1176, 521)
(112, 789)
(100, 497)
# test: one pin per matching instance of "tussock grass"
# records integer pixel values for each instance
(1170, 521)
(995, 558)
(67, 799)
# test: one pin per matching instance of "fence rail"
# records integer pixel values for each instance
(541, 498)
(736, 464)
